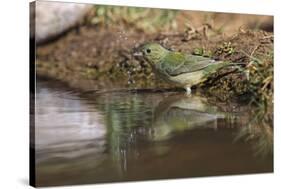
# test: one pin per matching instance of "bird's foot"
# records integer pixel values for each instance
(188, 91)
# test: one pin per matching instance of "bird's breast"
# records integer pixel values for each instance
(184, 79)
(189, 79)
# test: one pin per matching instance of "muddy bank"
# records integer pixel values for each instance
(96, 58)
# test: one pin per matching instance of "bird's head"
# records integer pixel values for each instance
(153, 52)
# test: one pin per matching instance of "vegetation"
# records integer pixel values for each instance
(141, 19)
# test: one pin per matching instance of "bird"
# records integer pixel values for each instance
(177, 113)
(182, 69)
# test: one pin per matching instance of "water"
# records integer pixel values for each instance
(124, 136)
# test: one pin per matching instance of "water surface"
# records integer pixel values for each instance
(125, 136)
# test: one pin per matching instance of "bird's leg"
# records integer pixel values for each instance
(188, 90)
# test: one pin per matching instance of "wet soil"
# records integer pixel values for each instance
(90, 58)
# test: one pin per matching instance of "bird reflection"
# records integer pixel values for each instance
(121, 136)
(180, 112)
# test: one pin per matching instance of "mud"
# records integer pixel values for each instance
(91, 58)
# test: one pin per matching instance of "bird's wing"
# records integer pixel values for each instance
(176, 63)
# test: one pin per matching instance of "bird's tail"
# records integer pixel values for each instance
(222, 64)
(237, 65)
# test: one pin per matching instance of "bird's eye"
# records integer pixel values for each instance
(148, 51)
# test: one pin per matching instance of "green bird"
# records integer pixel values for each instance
(184, 70)
(178, 113)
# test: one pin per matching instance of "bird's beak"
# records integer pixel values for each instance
(138, 54)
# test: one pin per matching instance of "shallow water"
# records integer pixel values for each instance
(124, 136)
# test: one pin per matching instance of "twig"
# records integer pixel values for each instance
(269, 36)
(249, 56)
(252, 53)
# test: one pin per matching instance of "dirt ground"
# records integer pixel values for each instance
(94, 57)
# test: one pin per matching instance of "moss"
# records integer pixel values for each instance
(226, 48)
